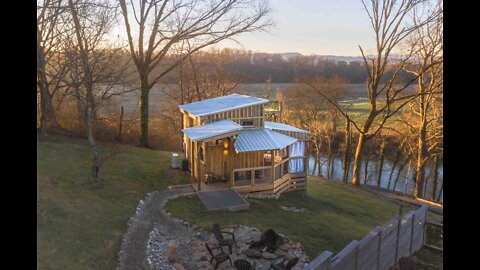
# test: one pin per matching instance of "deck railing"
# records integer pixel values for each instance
(281, 169)
(259, 175)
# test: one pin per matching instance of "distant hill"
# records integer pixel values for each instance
(333, 58)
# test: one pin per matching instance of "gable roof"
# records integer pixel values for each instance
(282, 126)
(261, 139)
(216, 128)
(221, 104)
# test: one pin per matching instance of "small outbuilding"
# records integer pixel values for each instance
(228, 144)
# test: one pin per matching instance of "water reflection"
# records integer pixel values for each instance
(405, 183)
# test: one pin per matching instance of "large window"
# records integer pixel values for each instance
(297, 155)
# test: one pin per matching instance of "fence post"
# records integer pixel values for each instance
(252, 177)
(411, 233)
(356, 256)
(424, 225)
(379, 249)
(398, 235)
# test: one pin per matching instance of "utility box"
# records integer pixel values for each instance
(175, 161)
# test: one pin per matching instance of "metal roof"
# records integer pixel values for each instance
(261, 139)
(212, 129)
(282, 126)
(221, 104)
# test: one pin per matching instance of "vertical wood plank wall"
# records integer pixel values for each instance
(254, 113)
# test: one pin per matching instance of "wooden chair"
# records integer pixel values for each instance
(282, 266)
(220, 257)
(221, 240)
(242, 265)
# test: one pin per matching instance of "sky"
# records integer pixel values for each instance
(324, 27)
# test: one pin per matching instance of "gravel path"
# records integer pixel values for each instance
(152, 227)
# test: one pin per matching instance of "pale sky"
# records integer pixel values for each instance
(325, 27)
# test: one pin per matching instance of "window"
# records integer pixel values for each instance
(247, 123)
(267, 158)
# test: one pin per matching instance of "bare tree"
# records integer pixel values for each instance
(160, 25)
(310, 111)
(96, 70)
(48, 29)
(388, 21)
(203, 76)
(427, 65)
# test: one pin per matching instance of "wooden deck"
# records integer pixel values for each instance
(225, 199)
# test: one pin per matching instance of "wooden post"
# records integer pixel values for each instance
(398, 235)
(305, 161)
(379, 249)
(273, 166)
(252, 177)
(411, 233)
(356, 256)
(195, 167)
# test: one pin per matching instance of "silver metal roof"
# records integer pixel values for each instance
(221, 104)
(261, 139)
(212, 129)
(282, 126)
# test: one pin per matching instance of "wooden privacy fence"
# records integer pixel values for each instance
(381, 248)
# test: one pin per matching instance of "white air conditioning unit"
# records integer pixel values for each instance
(175, 161)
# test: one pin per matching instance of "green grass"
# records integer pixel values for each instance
(79, 223)
(338, 214)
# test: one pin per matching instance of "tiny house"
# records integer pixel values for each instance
(228, 144)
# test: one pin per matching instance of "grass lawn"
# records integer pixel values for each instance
(338, 214)
(79, 223)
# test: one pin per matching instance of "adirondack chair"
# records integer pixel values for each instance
(220, 257)
(223, 241)
(282, 266)
(242, 265)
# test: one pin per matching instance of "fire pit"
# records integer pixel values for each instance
(269, 241)
(262, 250)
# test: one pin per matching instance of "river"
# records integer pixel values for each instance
(405, 182)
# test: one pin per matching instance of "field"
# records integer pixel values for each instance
(79, 223)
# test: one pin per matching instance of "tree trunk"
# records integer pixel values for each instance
(332, 167)
(381, 157)
(319, 165)
(408, 175)
(144, 91)
(119, 138)
(420, 168)
(440, 192)
(47, 112)
(346, 155)
(365, 172)
(357, 162)
(435, 176)
(400, 169)
(395, 162)
(329, 166)
(92, 144)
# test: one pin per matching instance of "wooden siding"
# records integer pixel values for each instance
(254, 113)
(248, 160)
